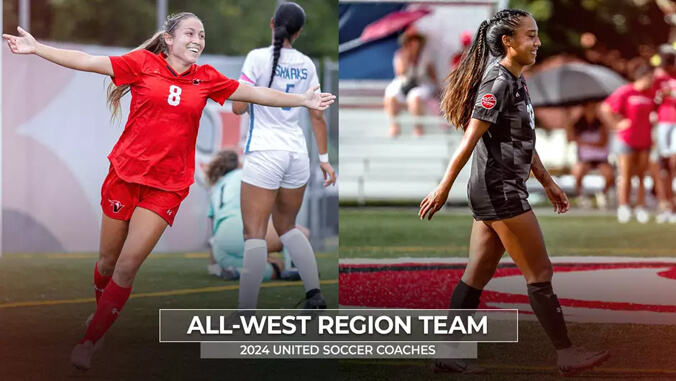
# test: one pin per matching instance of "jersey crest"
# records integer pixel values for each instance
(117, 206)
(488, 101)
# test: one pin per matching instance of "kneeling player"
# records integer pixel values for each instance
(227, 242)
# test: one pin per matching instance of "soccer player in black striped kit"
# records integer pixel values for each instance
(490, 102)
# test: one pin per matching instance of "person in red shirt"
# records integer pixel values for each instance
(628, 111)
(153, 163)
(466, 42)
(665, 97)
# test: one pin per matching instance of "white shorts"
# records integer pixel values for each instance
(424, 91)
(666, 139)
(276, 169)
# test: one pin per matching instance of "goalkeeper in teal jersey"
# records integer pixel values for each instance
(227, 242)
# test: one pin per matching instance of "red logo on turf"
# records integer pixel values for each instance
(488, 101)
(117, 206)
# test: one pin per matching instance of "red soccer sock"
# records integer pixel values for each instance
(100, 282)
(107, 310)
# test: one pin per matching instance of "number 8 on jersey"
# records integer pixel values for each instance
(174, 95)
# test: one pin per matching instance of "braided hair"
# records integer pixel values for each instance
(154, 44)
(289, 18)
(463, 84)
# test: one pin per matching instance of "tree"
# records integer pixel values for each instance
(621, 25)
(233, 27)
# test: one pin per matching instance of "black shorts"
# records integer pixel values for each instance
(594, 164)
(492, 205)
(502, 215)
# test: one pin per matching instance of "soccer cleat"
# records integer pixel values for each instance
(642, 215)
(316, 302)
(577, 359)
(99, 344)
(456, 366)
(81, 358)
(230, 273)
(662, 217)
(623, 214)
(214, 269)
(672, 217)
(291, 274)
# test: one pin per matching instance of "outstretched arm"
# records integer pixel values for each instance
(239, 108)
(72, 59)
(437, 198)
(273, 98)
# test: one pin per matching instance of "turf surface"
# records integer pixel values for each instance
(638, 351)
(44, 299)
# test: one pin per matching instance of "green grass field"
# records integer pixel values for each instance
(44, 300)
(391, 233)
(638, 351)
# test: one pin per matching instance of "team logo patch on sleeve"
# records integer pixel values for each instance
(488, 101)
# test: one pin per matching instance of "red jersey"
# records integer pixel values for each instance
(636, 106)
(665, 84)
(157, 147)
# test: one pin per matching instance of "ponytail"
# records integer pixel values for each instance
(463, 83)
(288, 19)
(155, 44)
(280, 35)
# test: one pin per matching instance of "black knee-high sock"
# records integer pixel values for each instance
(546, 306)
(465, 297)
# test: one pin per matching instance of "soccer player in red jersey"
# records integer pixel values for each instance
(152, 164)
(628, 110)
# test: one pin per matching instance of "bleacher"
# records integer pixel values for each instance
(375, 167)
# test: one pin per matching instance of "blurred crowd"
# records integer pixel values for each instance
(640, 116)
(629, 135)
(627, 138)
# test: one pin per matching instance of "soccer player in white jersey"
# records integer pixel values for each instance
(276, 166)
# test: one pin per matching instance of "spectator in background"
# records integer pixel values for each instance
(628, 111)
(415, 81)
(591, 137)
(665, 97)
(466, 41)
